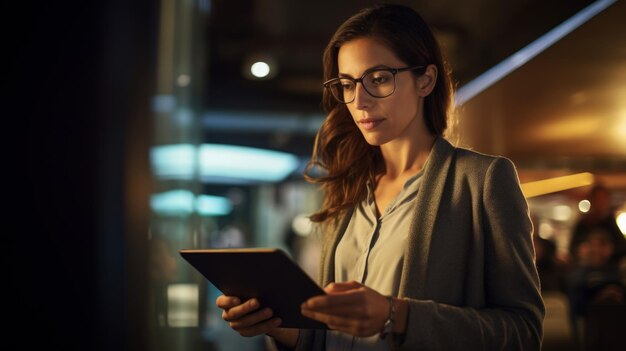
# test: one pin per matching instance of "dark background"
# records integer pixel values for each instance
(80, 75)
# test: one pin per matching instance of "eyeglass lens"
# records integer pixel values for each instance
(377, 83)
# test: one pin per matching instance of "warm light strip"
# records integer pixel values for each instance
(552, 185)
(518, 59)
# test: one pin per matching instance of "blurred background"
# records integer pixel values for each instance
(138, 128)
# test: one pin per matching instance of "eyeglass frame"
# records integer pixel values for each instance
(393, 71)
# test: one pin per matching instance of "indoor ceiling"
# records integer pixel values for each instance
(561, 112)
(475, 35)
(565, 109)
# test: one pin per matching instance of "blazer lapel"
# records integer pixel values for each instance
(416, 255)
(327, 271)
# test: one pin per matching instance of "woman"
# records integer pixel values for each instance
(426, 246)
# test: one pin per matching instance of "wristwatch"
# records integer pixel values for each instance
(388, 326)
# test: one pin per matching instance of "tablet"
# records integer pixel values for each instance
(266, 274)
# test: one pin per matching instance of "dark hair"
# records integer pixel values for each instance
(340, 149)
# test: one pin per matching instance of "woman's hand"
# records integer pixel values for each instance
(349, 307)
(248, 318)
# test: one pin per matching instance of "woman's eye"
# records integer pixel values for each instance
(347, 86)
(378, 80)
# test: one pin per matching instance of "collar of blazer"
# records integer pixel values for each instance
(423, 223)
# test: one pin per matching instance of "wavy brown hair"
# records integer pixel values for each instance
(343, 160)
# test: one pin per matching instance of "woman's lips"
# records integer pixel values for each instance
(370, 123)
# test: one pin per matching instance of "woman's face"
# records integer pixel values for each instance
(381, 120)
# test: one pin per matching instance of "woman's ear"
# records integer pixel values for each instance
(426, 82)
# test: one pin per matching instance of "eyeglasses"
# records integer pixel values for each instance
(379, 83)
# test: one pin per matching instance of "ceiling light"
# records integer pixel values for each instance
(621, 222)
(176, 161)
(260, 66)
(553, 185)
(175, 202)
(215, 163)
(260, 69)
(584, 206)
(184, 203)
(244, 163)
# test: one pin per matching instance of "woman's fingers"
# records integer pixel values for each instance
(349, 307)
(342, 286)
(338, 316)
(337, 299)
(227, 302)
(234, 310)
(248, 318)
(239, 311)
(251, 319)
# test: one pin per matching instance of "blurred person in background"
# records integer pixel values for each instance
(426, 246)
(552, 270)
(600, 215)
(596, 277)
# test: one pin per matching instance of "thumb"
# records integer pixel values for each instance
(342, 286)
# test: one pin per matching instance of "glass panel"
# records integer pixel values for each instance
(181, 216)
(214, 188)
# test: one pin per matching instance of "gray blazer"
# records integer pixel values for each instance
(469, 273)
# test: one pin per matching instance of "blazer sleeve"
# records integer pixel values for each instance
(513, 314)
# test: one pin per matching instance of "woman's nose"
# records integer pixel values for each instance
(362, 99)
